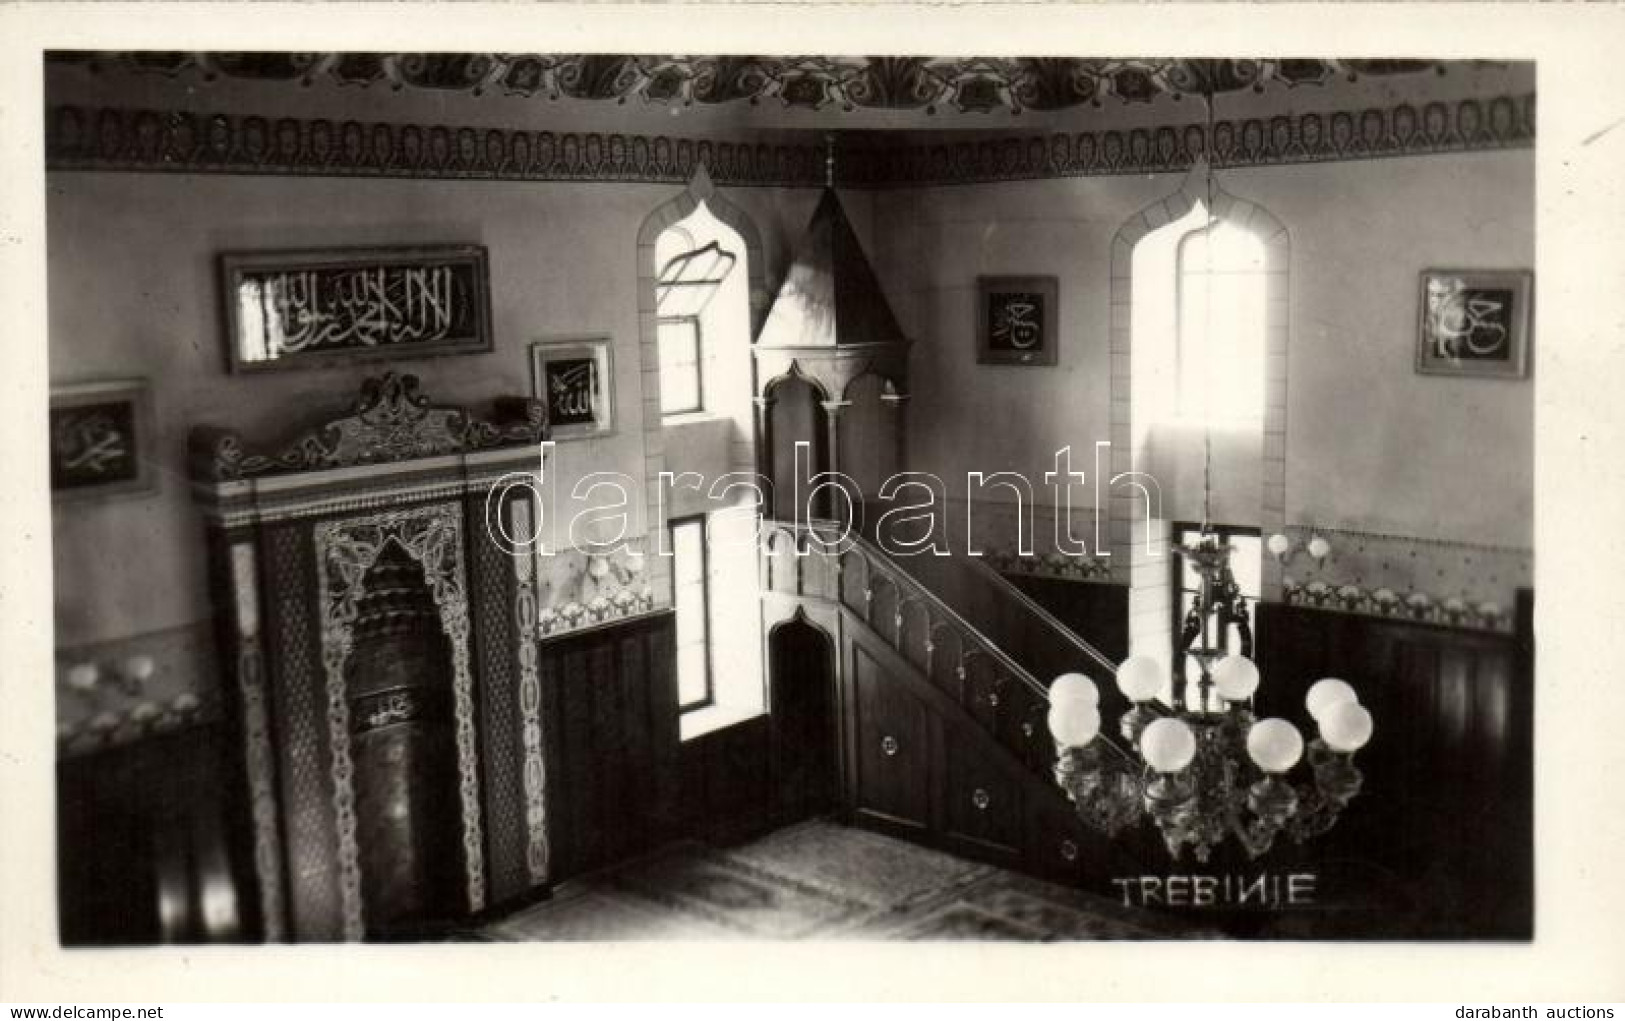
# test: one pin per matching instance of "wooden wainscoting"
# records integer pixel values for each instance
(609, 699)
(1447, 804)
(142, 852)
(1097, 611)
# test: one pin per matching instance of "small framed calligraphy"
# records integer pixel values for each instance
(1016, 319)
(575, 378)
(1474, 322)
(311, 308)
(101, 439)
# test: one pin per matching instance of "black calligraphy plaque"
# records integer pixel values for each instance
(302, 309)
(1016, 320)
(101, 435)
(1474, 323)
(575, 379)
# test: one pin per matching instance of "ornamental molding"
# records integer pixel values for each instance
(930, 85)
(1411, 607)
(1404, 129)
(346, 550)
(538, 851)
(1473, 586)
(1062, 566)
(180, 141)
(390, 422)
(146, 140)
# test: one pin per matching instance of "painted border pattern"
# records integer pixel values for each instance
(966, 84)
(148, 140)
(538, 854)
(78, 138)
(1468, 125)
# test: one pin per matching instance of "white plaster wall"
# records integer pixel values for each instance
(1370, 445)
(133, 291)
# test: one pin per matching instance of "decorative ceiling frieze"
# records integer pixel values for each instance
(104, 138)
(926, 84)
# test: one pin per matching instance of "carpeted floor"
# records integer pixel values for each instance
(820, 880)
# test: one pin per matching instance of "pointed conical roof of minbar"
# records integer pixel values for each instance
(830, 297)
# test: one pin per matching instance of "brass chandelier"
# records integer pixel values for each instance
(1197, 760)
(1201, 765)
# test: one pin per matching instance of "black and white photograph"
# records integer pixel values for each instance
(1027, 499)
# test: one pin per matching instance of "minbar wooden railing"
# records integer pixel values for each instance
(1005, 688)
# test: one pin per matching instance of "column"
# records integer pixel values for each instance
(764, 454)
(832, 442)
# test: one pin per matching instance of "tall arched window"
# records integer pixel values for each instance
(1219, 345)
(1204, 383)
(702, 324)
(702, 301)
(688, 283)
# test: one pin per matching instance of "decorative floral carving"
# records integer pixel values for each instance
(142, 719)
(1453, 611)
(392, 421)
(968, 84)
(346, 549)
(1407, 578)
(573, 615)
(1050, 565)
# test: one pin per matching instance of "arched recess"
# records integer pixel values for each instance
(1138, 536)
(742, 456)
(806, 742)
(869, 431)
(796, 409)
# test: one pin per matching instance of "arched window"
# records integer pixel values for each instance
(702, 330)
(687, 284)
(1219, 343)
(701, 302)
(1199, 402)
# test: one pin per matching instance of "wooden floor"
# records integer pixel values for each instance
(820, 880)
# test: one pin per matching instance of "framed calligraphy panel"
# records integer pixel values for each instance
(1474, 322)
(575, 378)
(303, 309)
(1016, 319)
(101, 439)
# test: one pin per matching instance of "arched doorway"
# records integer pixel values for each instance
(806, 741)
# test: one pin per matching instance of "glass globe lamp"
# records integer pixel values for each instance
(1236, 677)
(1325, 693)
(1073, 723)
(1274, 745)
(1345, 727)
(1168, 745)
(1074, 687)
(1139, 678)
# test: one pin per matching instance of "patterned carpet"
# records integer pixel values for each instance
(820, 880)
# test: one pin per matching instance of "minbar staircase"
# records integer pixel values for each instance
(942, 703)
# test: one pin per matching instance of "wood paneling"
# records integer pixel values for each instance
(610, 699)
(1096, 611)
(727, 793)
(893, 747)
(1446, 809)
(983, 806)
(141, 844)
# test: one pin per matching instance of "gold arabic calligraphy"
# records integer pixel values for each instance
(373, 307)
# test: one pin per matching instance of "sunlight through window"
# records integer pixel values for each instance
(1221, 325)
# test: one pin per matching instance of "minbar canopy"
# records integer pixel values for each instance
(830, 321)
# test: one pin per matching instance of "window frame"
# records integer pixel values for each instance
(699, 362)
(709, 699)
(1177, 581)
